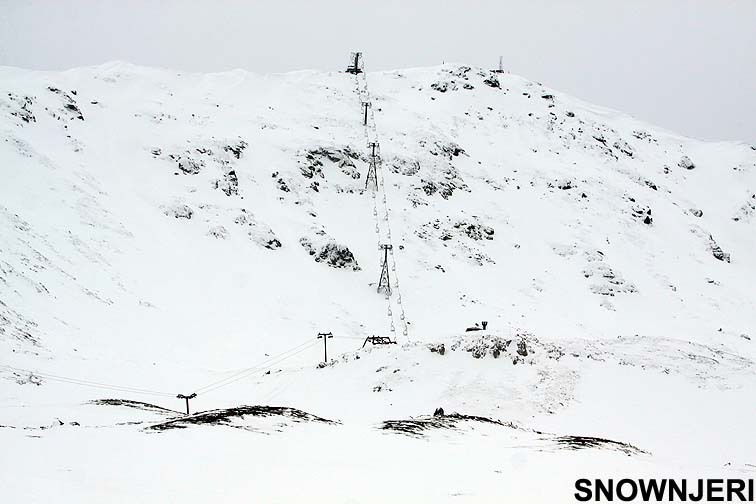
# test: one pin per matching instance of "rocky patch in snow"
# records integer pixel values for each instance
(686, 163)
(220, 154)
(447, 149)
(237, 148)
(16, 327)
(229, 184)
(257, 231)
(624, 147)
(471, 228)
(343, 157)
(179, 211)
(187, 164)
(326, 250)
(711, 244)
(218, 232)
(605, 281)
(460, 77)
(746, 210)
(450, 231)
(522, 348)
(443, 183)
(20, 107)
(642, 214)
(404, 166)
(70, 107)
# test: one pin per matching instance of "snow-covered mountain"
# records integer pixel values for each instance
(165, 230)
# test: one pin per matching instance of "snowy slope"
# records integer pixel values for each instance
(162, 231)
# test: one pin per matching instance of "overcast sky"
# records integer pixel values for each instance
(687, 65)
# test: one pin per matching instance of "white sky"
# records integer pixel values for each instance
(687, 65)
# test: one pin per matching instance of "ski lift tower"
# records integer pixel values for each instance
(355, 63)
(384, 284)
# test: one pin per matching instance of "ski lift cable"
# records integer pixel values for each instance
(380, 175)
(254, 368)
(249, 373)
(88, 383)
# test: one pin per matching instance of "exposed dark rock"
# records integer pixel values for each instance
(564, 184)
(643, 214)
(475, 230)
(343, 157)
(404, 166)
(522, 348)
(686, 163)
(188, 165)
(179, 211)
(229, 184)
(282, 186)
(624, 147)
(696, 212)
(70, 103)
(22, 107)
(236, 149)
(492, 81)
(444, 86)
(219, 232)
(717, 251)
(257, 231)
(332, 254)
(439, 348)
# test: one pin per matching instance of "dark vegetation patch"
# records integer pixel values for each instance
(226, 415)
(133, 404)
(418, 426)
(583, 442)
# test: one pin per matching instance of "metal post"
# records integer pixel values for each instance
(325, 337)
(366, 105)
(186, 398)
